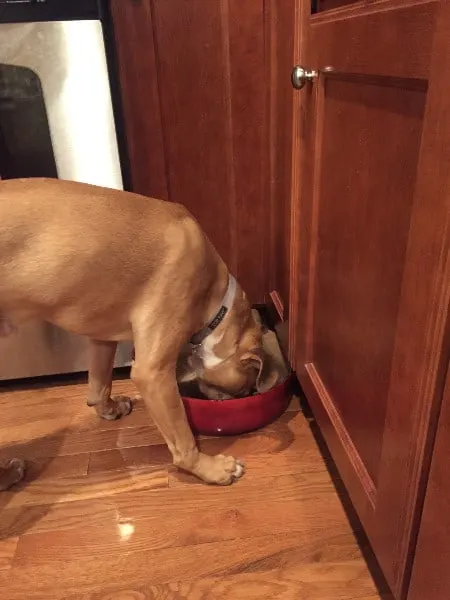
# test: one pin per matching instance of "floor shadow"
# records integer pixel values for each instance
(353, 519)
(17, 520)
(282, 434)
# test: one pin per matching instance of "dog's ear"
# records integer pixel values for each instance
(268, 375)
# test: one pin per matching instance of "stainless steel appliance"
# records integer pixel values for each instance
(56, 120)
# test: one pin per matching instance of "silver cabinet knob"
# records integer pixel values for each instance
(301, 76)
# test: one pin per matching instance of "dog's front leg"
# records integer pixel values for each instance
(157, 383)
(101, 362)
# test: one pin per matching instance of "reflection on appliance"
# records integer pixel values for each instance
(56, 120)
(25, 143)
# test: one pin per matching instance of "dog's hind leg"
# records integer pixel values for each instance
(12, 473)
(101, 362)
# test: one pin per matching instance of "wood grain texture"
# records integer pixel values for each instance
(374, 31)
(126, 525)
(138, 74)
(281, 584)
(299, 213)
(360, 247)
(194, 66)
(194, 84)
(248, 109)
(419, 368)
(280, 48)
(372, 261)
(8, 548)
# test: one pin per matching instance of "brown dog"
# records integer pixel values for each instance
(114, 266)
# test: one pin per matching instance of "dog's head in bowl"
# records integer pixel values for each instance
(232, 363)
(238, 376)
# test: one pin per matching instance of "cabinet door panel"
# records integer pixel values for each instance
(364, 210)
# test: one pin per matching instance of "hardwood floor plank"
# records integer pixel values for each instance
(86, 419)
(7, 550)
(294, 405)
(187, 563)
(320, 581)
(50, 517)
(115, 434)
(199, 507)
(197, 519)
(51, 467)
(146, 536)
(262, 467)
(39, 427)
(69, 489)
(130, 458)
(145, 435)
(267, 453)
(62, 443)
(66, 443)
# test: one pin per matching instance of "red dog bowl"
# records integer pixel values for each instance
(237, 415)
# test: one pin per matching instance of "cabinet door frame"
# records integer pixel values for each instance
(390, 512)
(430, 578)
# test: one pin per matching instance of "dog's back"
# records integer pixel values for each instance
(34, 206)
(69, 247)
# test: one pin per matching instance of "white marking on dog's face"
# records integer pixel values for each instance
(207, 354)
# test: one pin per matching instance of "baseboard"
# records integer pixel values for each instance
(274, 307)
(277, 304)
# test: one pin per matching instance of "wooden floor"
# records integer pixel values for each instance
(102, 515)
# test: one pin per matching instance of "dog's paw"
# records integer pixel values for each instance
(13, 472)
(117, 407)
(220, 469)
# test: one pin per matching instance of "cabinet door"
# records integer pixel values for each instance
(371, 270)
(195, 78)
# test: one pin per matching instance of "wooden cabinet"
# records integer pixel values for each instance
(371, 275)
(195, 78)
